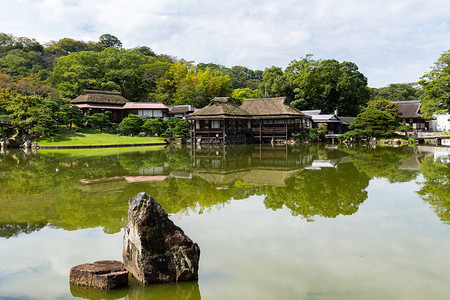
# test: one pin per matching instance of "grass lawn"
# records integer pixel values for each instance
(93, 137)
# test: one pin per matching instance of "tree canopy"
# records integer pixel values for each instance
(436, 87)
(398, 92)
(319, 84)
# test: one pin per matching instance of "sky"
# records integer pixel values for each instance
(391, 41)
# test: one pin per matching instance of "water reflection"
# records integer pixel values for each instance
(436, 187)
(175, 291)
(74, 190)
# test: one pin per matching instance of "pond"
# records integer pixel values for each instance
(272, 222)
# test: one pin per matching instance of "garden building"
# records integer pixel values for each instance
(410, 114)
(256, 120)
(95, 101)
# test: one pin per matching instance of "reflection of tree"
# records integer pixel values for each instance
(380, 161)
(327, 192)
(436, 188)
(12, 230)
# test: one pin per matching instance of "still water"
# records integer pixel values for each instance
(283, 222)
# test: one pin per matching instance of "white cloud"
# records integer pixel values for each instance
(390, 41)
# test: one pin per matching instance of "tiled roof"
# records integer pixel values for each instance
(144, 105)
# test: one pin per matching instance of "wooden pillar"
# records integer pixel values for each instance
(3, 135)
(223, 132)
(195, 131)
(286, 126)
(260, 132)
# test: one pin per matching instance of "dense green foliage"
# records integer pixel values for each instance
(380, 118)
(131, 124)
(156, 126)
(436, 88)
(319, 84)
(398, 92)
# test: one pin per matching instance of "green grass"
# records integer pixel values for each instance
(91, 137)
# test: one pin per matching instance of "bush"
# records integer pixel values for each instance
(155, 126)
(178, 127)
(100, 121)
(131, 125)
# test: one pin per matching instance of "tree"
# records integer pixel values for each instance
(177, 127)
(384, 105)
(111, 69)
(100, 121)
(326, 84)
(239, 95)
(110, 41)
(185, 84)
(131, 124)
(144, 50)
(372, 123)
(436, 88)
(155, 126)
(276, 84)
(398, 92)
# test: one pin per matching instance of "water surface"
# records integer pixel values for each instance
(285, 222)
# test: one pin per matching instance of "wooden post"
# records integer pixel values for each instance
(286, 130)
(260, 132)
(3, 135)
(223, 132)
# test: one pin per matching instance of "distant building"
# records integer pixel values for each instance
(410, 114)
(335, 124)
(181, 111)
(256, 120)
(95, 101)
(440, 123)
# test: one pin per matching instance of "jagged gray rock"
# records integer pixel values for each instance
(154, 248)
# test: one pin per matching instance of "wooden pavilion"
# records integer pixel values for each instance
(256, 120)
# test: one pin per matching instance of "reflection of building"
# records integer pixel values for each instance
(256, 120)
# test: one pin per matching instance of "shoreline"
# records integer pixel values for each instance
(101, 146)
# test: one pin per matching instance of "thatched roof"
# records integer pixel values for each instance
(181, 109)
(270, 108)
(220, 108)
(103, 97)
(409, 109)
(259, 108)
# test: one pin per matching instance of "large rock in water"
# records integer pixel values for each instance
(154, 248)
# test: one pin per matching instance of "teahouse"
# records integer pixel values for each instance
(256, 120)
(96, 101)
(410, 114)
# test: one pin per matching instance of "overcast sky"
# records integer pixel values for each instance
(391, 41)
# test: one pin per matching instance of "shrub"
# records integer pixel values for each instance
(131, 125)
(155, 126)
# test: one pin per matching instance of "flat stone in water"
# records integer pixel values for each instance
(105, 274)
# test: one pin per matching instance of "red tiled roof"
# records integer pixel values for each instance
(144, 105)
